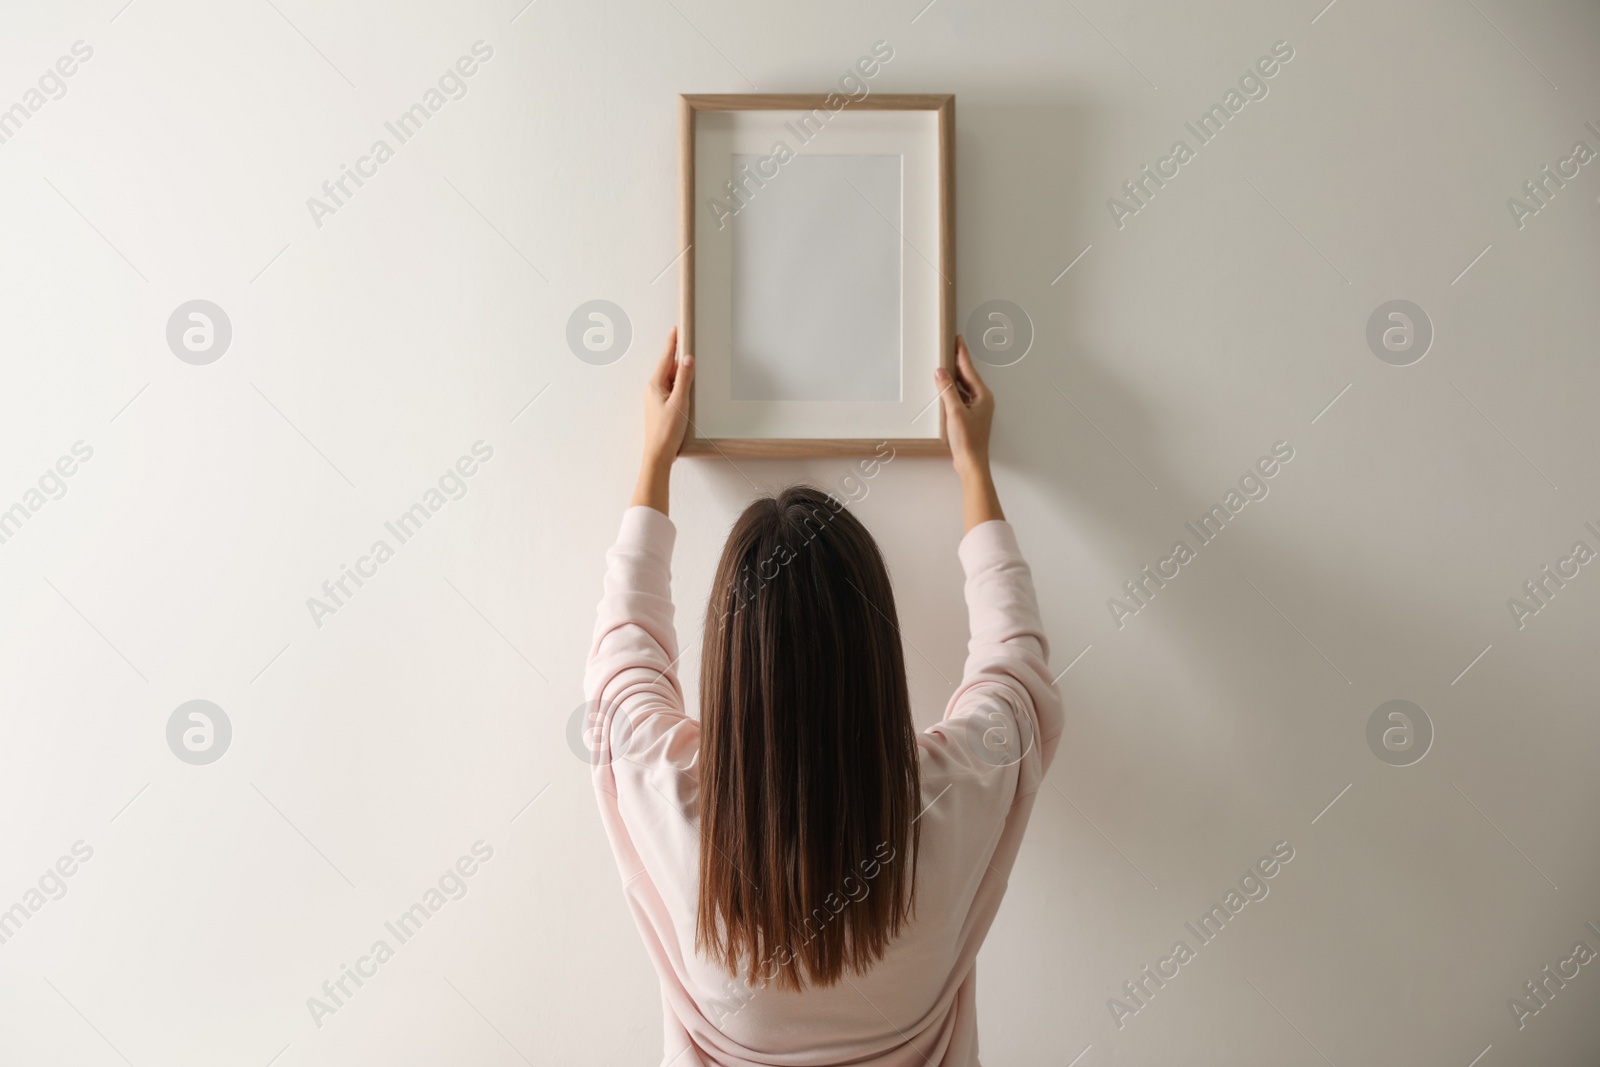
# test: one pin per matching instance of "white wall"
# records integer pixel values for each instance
(369, 352)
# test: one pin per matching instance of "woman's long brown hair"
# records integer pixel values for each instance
(809, 783)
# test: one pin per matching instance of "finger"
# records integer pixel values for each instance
(949, 393)
(968, 372)
(961, 388)
(661, 377)
(683, 376)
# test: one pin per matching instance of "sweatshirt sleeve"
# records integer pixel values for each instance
(635, 728)
(1006, 712)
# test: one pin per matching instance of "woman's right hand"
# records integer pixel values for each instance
(968, 415)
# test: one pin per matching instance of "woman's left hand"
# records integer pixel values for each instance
(666, 404)
(666, 419)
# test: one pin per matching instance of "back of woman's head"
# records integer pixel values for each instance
(808, 760)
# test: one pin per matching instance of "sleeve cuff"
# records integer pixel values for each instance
(986, 542)
(647, 529)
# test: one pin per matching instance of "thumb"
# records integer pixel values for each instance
(949, 395)
(684, 377)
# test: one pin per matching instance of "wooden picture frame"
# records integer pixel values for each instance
(690, 108)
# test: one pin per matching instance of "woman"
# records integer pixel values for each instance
(812, 877)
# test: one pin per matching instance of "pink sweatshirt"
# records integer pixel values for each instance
(981, 766)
